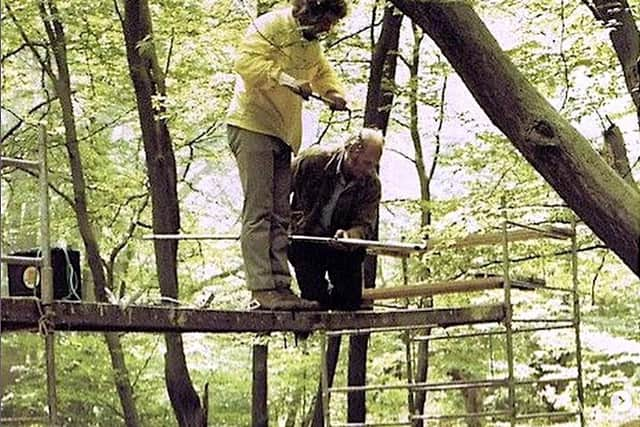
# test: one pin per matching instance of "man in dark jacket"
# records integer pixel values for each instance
(336, 192)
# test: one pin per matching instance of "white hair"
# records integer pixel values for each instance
(367, 136)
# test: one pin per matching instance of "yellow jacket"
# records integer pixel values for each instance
(272, 45)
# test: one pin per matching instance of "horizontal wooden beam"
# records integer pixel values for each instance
(24, 313)
(447, 287)
(513, 235)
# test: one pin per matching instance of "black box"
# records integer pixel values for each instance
(66, 275)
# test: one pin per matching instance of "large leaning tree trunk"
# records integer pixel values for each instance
(604, 201)
(148, 82)
(61, 81)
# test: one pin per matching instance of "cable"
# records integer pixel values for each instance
(71, 276)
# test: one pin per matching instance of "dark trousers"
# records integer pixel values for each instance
(313, 262)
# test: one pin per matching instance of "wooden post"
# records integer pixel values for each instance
(259, 413)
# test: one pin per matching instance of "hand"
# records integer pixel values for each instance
(334, 244)
(337, 102)
(303, 88)
(341, 234)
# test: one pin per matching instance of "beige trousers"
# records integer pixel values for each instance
(264, 163)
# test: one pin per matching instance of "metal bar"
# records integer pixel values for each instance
(460, 385)
(444, 337)
(547, 415)
(459, 416)
(259, 412)
(45, 241)
(348, 389)
(541, 328)
(373, 424)
(554, 288)
(363, 331)
(21, 260)
(324, 380)
(390, 247)
(189, 237)
(46, 277)
(488, 333)
(543, 320)
(544, 381)
(19, 163)
(508, 316)
(576, 316)
(456, 385)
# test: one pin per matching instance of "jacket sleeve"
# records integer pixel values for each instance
(257, 55)
(300, 170)
(325, 79)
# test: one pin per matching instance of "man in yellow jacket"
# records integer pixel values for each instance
(279, 63)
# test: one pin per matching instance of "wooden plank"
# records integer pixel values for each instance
(516, 235)
(447, 287)
(23, 313)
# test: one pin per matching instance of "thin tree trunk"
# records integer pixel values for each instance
(607, 204)
(616, 154)
(148, 81)
(380, 94)
(62, 83)
(316, 416)
(424, 180)
(625, 38)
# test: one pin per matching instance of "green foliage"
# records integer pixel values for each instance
(562, 51)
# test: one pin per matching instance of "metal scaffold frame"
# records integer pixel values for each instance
(506, 328)
(44, 263)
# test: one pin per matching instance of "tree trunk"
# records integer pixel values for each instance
(625, 38)
(380, 94)
(417, 402)
(148, 82)
(608, 205)
(62, 83)
(316, 417)
(615, 152)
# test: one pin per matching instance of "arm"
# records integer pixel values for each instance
(327, 84)
(364, 222)
(257, 60)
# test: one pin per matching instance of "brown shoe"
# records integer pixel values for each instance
(280, 299)
(305, 304)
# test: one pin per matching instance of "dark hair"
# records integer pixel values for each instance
(320, 7)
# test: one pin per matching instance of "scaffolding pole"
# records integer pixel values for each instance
(576, 317)
(508, 316)
(46, 280)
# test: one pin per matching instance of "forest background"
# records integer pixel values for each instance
(446, 172)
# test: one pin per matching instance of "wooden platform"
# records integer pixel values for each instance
(24, 314)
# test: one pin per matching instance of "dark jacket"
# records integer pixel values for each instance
(314, 178)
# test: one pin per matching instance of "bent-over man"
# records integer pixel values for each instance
(336, 192)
